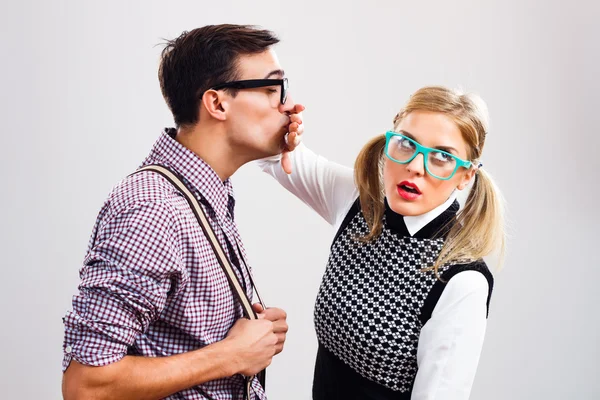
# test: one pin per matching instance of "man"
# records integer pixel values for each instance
(155, 316)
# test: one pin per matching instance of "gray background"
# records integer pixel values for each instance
(81, 106)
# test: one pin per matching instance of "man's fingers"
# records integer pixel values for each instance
(257, 307)
(280, 327)
(280, 342)
(275, 314)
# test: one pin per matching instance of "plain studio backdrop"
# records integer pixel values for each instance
(81, 108)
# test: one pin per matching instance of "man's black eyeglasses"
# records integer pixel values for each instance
(256, 83)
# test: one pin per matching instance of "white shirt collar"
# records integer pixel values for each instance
(415, 223)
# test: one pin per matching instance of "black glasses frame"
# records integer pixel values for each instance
(256, 83)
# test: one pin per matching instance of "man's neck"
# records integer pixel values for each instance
(213, 147)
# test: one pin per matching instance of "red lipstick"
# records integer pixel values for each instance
(408, 190)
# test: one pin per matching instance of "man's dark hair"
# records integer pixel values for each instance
(202, 58)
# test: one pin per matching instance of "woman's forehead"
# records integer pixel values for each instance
(433, 129)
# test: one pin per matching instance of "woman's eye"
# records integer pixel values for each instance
(406, 144)
(271, 90)
(442, 157)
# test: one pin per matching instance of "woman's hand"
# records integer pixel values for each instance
(293, 138)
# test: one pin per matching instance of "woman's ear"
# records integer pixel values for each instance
(466, 178)
(216, 104)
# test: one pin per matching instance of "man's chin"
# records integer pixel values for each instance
(276, 147)
(275, 151)
(269, 152)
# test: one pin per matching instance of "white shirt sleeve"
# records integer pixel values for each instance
(326, 187)
(450, 342)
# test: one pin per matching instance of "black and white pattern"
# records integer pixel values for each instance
(368, 306)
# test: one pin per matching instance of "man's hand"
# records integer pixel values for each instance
(278, 317)
(293, 137)
(254, 342)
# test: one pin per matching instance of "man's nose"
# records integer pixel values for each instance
(288, 106)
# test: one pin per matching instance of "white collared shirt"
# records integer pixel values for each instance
(450, 342)
(415, 223)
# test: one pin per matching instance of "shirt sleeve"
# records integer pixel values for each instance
(326, 187)
(450, 342)
(125, 278)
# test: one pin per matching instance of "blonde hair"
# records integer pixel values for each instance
(478, 229)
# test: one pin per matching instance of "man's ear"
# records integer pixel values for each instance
(216, 104)
(466, 179)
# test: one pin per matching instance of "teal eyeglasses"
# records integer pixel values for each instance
(438, 163)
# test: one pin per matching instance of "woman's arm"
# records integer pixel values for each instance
(326, 187)
(450, 342)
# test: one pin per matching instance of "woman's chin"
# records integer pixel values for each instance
(407, 208)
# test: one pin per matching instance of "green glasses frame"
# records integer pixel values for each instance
(420, 149)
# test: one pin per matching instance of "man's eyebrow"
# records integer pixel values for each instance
(279, 72)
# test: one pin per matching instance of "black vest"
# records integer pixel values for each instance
(373, 301)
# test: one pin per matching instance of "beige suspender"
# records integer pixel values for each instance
(218, 249)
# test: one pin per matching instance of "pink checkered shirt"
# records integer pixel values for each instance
(150, 282)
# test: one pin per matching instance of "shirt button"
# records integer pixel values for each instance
(68, 349)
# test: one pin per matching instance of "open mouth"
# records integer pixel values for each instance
(409, 187)
(408, 191)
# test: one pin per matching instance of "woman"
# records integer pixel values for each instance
(401, 312)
